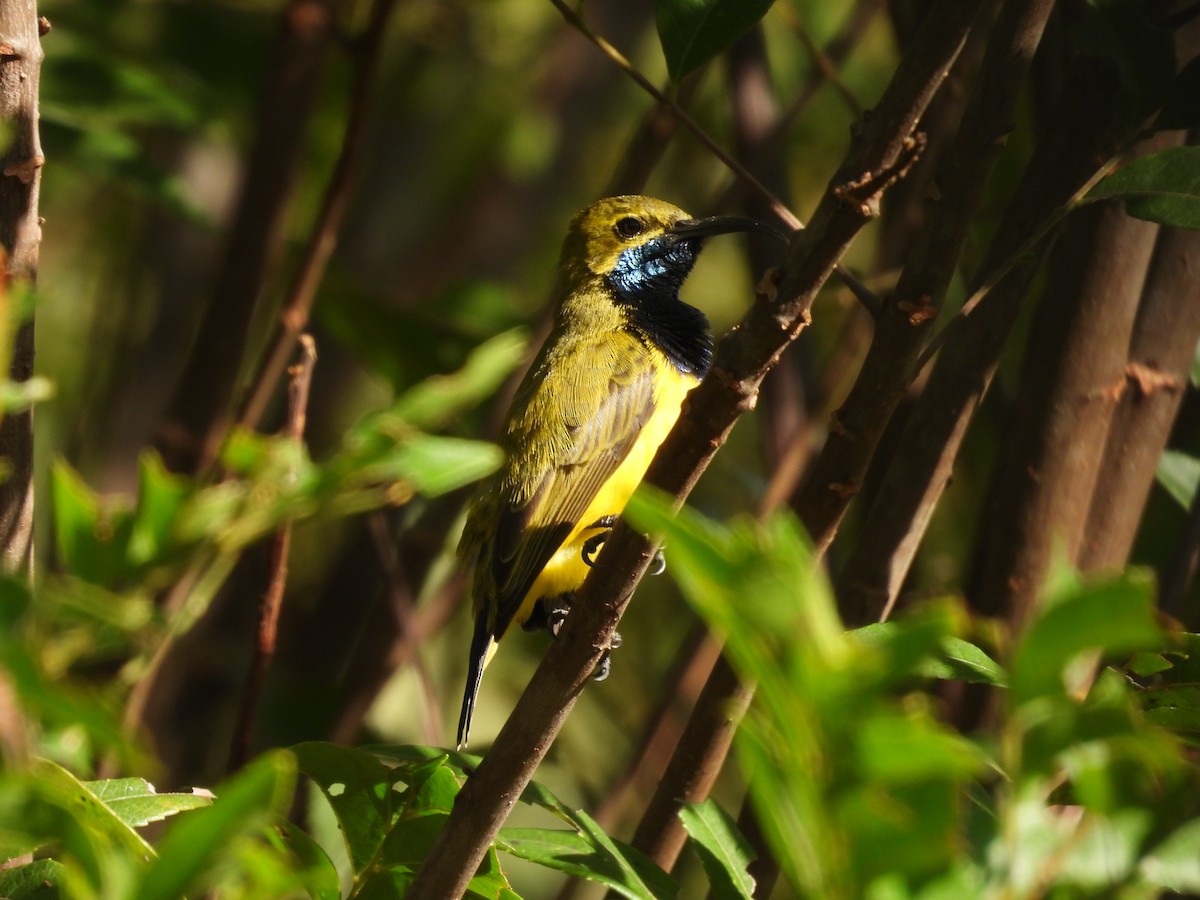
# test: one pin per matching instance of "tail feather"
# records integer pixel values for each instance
(481, 645)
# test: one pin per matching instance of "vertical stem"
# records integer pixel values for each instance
(300, 378)
(20, 237)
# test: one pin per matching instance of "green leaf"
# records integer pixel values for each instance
(694, 31)
(1175, 863)
(962, 661)
(1146, 664)
(161, 496)
(897, 748)
(1114, 616)
(195, 845)
(16, 396)
(315, 868)
(433, 402)
(941, 656)
(136, 803)
(575, 854)
(1163, 187)
(76, 521)
(359, 788)
(38, 880)
(1179, 474)
(722, 849)
(90, 810)
(433, 465)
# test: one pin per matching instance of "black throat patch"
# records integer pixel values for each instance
(647, 279)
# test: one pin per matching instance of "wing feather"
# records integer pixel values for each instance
(575, 420)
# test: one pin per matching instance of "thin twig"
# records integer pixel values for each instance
(299, 381)
(406, 644)
(190, 435)
(293, 318)
(826, 63)
(996, 273)
(777, 206)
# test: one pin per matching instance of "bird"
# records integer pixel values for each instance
(599, 398)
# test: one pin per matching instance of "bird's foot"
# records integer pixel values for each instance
(593, 544)
(553, 612)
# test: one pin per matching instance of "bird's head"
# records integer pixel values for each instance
(639, 243)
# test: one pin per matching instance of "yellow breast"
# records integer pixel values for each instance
(566, 570)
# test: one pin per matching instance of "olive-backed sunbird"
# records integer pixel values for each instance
(598, 400)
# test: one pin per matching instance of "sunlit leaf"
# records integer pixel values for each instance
(1179, 474)
(723, 850)
(136, 803)
(1163, 187)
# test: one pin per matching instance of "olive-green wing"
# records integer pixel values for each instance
(604, 393)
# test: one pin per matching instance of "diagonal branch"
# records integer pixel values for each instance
(198, 408)
(293, 318)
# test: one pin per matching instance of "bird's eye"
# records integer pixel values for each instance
(629, 227)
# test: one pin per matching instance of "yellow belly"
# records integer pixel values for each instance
(566, 570)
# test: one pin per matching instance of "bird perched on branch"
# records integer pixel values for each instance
(599, 399)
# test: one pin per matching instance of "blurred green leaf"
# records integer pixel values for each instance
(898, 747)
(161, 496)
(136, 803)
(359, 788)
(1163, 187)
(46, 806)
(694, 31)
(16, 396)
(38, 880)
(933, 655)
(722, 849)
(315, 868)
(1113, 616)
(1179, 474)
(194, 846)
(432, 403)
(619, 867)
(1174, 864)
(1146, 663)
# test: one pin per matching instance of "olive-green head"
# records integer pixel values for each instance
(635, 239)
(600, 234)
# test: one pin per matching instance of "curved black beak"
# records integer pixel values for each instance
(702, 228)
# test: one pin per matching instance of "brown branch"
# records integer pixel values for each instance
(694, 661)
(777, 206)
(20, 239)
(196, 420)
(695, 765)
(1074, 369)
(293, 318)
(900, 332)
(922, 460)
(299, 381)
(881, 146)
(1164, 342)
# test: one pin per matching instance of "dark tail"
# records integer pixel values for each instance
(479, 651)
